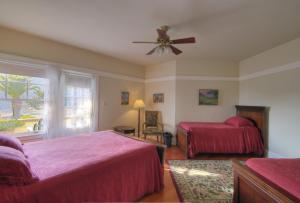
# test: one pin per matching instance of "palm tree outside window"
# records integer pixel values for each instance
(22, 103)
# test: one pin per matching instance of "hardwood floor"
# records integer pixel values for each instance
(169, 194)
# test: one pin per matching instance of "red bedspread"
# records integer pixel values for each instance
(101, 166)
(284, 173)
(221, 138)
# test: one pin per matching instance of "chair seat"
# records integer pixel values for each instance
(153, 131)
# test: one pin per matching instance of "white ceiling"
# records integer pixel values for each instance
(224, 29)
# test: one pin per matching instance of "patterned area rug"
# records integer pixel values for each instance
(203, 181)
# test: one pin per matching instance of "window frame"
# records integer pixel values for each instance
(45, 86)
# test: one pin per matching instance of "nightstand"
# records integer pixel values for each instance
(125, 129)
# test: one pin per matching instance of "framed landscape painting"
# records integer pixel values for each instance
(124, 98)
(208, 97)
(158, 98)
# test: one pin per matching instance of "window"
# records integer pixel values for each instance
(77, 101)
(22, 103)
(38, 100)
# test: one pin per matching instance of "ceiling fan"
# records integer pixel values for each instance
(165, 44)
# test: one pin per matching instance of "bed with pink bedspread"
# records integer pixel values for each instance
(283, 174)
(267, 180)
(100, 166)
(243, 133)
(204, 137)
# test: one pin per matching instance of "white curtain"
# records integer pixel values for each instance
(77, 107)
(52, 103)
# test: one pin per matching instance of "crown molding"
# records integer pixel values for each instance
(194, 78)
(207, 78)
(160, 79)
(33, 63)
(24, 64)
(270, 71)
(40, 64)
(120, 76)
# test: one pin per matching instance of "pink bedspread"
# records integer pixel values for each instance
(284, 173)
(221, 138)
(100, 166)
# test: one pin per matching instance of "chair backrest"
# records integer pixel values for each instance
(151, 118)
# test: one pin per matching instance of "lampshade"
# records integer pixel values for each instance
(139, 103)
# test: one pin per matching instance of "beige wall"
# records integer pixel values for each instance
(22, 44)
(280, 92)
(112, 113)
(167, 108)
(278, 56)
(187, 107)
(181, 95)
(206, 68)
(161, 70)
(166, 87)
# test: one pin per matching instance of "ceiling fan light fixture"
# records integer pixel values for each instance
(161, 50)
(168, 50)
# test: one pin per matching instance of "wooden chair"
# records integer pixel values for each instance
(151, 125)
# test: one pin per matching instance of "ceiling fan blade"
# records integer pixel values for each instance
(184, 40)
(152, 51)
(145, 42)
(175, 50)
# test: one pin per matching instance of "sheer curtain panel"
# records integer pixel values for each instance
(77, 106)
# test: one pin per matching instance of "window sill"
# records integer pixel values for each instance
(31, 137)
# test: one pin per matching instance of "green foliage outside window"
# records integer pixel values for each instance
(16, 86)
(20, 93)
(6, 125)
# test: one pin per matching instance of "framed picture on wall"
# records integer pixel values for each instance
(208, 96)
(124, 98)
(158, 98)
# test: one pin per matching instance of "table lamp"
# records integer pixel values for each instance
(138, 104)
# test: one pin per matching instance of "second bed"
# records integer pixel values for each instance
(241, 134)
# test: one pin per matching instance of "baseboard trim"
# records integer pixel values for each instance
(271, 154)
